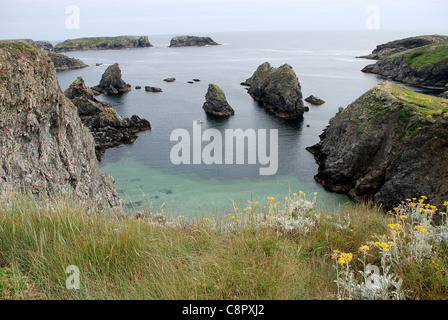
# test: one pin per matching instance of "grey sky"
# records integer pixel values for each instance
(46, 19)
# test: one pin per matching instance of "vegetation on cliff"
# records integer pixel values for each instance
(386, 49)
(427, 65)
(389, 144)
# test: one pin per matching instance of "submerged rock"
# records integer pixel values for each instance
(46, 150)
(111, 81)
(382, 148)
(277, 90)
(108, 129)
(314, 100)
(191, 41)
(216, 102)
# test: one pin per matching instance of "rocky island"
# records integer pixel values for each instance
(103, 43)
(111, 81)
(422, 66)
(388, 145)
(216, 102)
(46, 150)
(191, 41)
(277, 90)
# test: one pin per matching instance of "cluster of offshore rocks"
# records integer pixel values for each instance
(109, 130)
(388, 145)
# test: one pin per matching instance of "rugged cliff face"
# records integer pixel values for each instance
(277, 90)
(424, 66)
(388, 145)
(103, 43)
(45, 148)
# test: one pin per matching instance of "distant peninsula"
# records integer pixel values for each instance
(103, 43)
(191, 41)
(387, 49)
(422, 66)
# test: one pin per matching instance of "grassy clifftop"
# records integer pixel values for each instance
(425, 104)
(430, 54)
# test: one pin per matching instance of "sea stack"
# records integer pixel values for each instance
(111, 81)
(277, 90)
(216, 102)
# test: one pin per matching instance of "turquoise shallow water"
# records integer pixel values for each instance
(325, 63)
(188, 194)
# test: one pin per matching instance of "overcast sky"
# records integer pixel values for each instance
(62, 19)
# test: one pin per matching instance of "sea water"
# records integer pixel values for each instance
(326, 65)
